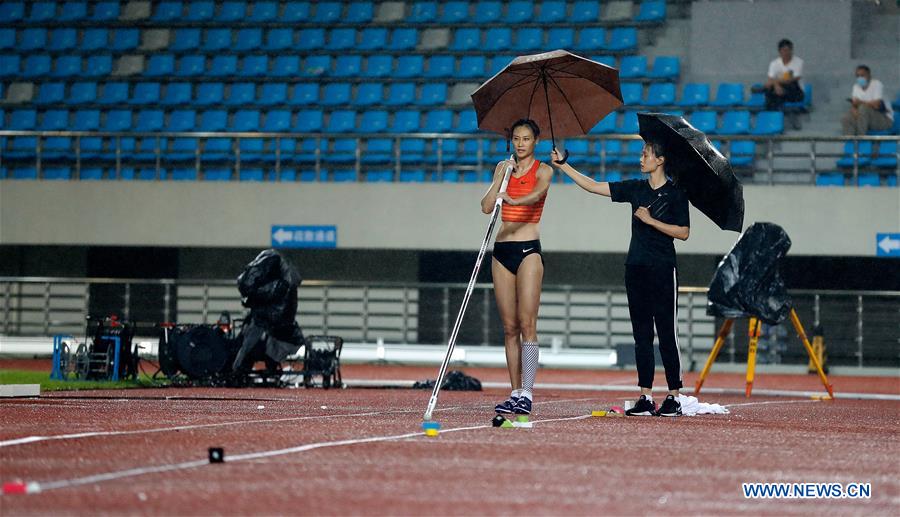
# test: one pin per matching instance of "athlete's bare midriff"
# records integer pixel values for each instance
(512, 232)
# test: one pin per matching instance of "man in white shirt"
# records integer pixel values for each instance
(868, 110)
(783, 83)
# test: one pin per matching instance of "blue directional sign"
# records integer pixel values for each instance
(887, 244)
(304, 236)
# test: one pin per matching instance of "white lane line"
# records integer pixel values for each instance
(767, 402)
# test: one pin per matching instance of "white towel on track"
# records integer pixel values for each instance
(690, 406)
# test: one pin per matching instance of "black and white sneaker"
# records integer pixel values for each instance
(523, 406)
(670, 407)
(507, 406)
(642, 407)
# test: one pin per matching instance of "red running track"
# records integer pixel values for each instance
(567, 464)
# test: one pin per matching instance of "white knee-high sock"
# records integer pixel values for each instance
(530, 355)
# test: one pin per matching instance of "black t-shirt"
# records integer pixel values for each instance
(649, 246)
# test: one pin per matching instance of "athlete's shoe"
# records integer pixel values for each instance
(523, 406)
(507, 406)
(670, 407)
(642, 407)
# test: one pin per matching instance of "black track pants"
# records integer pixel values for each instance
(653, 297)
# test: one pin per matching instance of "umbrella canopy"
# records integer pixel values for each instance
(698, 168)
(560, 91)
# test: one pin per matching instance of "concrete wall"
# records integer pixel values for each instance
(820, 221)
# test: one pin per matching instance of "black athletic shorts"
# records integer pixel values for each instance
(510, 254)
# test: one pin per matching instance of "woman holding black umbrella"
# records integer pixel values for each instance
(517, 267)
(660, 214)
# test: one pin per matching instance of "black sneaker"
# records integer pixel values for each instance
(507, 406)
(670, 407)
(642, 407)
(523, 406)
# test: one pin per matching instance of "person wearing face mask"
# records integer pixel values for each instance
(868, 111)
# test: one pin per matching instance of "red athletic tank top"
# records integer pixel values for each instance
(519, 187)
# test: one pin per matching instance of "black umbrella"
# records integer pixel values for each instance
(698, 168)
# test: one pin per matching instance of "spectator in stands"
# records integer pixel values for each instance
(868, 109)
(783, 83)
(517, 267)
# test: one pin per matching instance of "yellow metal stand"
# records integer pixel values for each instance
(753, 332)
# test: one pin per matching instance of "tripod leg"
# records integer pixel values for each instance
(720, 340)
(812, 356)
(751, 353)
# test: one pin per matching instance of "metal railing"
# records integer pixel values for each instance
(439, 156)
(861, 327)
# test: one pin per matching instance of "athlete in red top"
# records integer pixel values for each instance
(517, 267)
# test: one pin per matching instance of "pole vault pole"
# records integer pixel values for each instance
(465, 302)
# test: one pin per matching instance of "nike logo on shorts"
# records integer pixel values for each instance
(526, 251)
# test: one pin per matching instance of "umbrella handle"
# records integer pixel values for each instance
(563, 161)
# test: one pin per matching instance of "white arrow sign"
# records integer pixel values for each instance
(282, 235)
(887, 244)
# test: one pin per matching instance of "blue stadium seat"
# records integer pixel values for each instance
(113, 93)
(661, 94)
(704, 120)
(210, 94)
(591, 38)
(277, 121)
(519, 11)
(217, 39)
(488, 11)
(160, 65)
(328, 12)
(264, 12)
(605, 126)
(216, 149)
(287, 66)
(343, 150)
(185, 39)
(374, 121)
(213, 120)
(440, 66)
(94, 39)
(181, 120)
(295, 12)
(145, 93)
(529, 38)
(830, 179)
(336, 94)
(368, 94)
(585, 12)
(622, 39)
(347, 66)
(454, 12)
(498, 38)
(409, 66)
(33, 39)
(612, 151)
(400, 94)
(412, 176)
(55, 120)
(255, 66)
(82, 93)
(272, 93)
(245, 120)
(552, 11)
(8, 38)
(729, 94)
(36, 65)
(694, 94)
(372, 38)
(412, 150)
(868, 179)
(9, 65)
(743, 153)
(381, 65)
(341, 121)
(438, 121)
(49, 93)
(422, 12)
(498, 63)
(57, 172)
(471, 67)
(279, 39)
(379, 176)
(241, 94)
(42, 11)
(631, 157)
(865, 154)
(248, 39)
(359, 12)
(887, 155)
(378, 150)
(467, 123)
(666, 67)
(341, 39)
(91, 173)
(405, 121)
(62, 39)
(106, 11)
(67, 66)
(233, 11)
(768, 123)
(805, 104)
(432, 94)
(168, 11)
(632, 93)
(86, 120)
(735, 123)
(651, 11)
(223, 65)
(305, 94)
(315, 66)
(116, 120)
(466, 39)
(125, 39)
(633, 66)
(149, 120)
(561, 37)
(200, 11)
(757, 100)
(12, 11)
